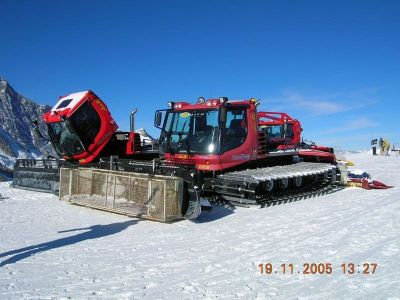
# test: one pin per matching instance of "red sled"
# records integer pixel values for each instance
(374, 184)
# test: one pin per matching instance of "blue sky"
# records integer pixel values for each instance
(334, 65)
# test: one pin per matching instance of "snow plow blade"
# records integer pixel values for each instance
(41, 175)
(153, 197)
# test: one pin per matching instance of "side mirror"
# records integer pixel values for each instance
(223, 114)
(36, 129)
(158, 119)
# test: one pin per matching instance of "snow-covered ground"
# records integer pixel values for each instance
(50, 249)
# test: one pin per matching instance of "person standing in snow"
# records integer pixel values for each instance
(373, 144)
(386, 147)
(381, 146)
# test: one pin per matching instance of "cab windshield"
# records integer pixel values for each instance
(199, 131)
(75, 134)
(65, 141)
(194, 131)
(278, 131)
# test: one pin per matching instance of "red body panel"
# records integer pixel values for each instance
(107, 124)
(317, 155)
(133, 144)
(249, 150)
(278, 118)
(214, 162)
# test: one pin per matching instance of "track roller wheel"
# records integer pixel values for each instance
(298, 181)
(269, 185)
(284, 182)
(191, 207)
(334, 177)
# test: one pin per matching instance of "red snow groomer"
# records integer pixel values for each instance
(284, 132)
(222, 150)
(82, 129)
(233, 155)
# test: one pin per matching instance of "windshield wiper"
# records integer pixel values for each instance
(168, 147)
(183, 142)
(186, 145)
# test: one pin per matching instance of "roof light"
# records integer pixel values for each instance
(201, 100)
(255, 101)
(223, 100)
(214, 103)
(171, 104)
(208, 103)
(179, 105)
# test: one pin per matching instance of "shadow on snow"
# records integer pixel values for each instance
(93, 232)
(217, 212)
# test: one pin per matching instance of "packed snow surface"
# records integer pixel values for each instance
(50, 249)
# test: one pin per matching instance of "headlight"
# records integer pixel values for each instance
(223, 100)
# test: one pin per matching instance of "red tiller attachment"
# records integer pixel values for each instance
(369, 185)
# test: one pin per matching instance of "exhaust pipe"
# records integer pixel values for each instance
(133, 112)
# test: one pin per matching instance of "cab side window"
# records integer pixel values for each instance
(235, 131)
(86, 122)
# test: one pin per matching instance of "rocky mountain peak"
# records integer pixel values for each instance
(17, 114)
(3, 84)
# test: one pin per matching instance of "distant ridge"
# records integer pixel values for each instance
(16, 138)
